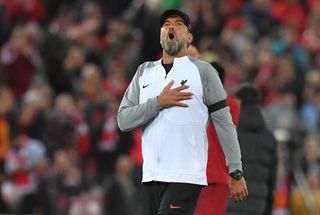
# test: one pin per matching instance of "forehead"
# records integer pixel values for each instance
(174, 18)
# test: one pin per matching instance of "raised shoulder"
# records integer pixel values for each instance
(201, 65)
(212, 87)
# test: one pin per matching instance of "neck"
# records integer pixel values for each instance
(167, 59)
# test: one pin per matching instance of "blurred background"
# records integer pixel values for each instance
(65, 64)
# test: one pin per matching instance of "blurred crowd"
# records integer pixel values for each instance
(65, 64)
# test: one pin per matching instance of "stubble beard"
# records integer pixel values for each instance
(171, 47)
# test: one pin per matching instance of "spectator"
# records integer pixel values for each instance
(65, 119)
(31, 116)
(281, 112)
(259, 149)
(23, 157)
(310, 109)
(122, 197)
(20, 61)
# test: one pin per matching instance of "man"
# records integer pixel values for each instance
(213, 198)
(260, 159)
(171, 100)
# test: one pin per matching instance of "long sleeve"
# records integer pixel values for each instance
(215, 99)
(227, 134)
(131, 114)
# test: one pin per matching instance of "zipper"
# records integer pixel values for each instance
(163, 84)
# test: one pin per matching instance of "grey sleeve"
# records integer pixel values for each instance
(228, 138)
(131, 114)
(214, 93)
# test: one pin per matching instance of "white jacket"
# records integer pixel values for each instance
(174, 140)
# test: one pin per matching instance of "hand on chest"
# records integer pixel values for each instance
(153, 81)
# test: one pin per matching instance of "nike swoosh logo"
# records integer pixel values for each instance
(174, 206)
(144, 86)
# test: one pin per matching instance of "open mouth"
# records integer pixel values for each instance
(171, 36)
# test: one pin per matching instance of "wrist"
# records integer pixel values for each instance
(236, 175)
(160, 101)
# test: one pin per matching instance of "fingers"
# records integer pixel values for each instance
(169, 85)
(180, 88)
(177, 89)
(184, 96)
(173, 97)
(181, 104)
(238, 190)
(181, 95)
(240, 196)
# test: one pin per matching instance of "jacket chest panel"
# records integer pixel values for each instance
(155, 79)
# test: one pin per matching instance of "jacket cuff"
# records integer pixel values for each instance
(155, 104)
(234, 167)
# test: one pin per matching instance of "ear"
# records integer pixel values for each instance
(190, 38)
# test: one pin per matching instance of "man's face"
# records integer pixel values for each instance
(174, 35)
